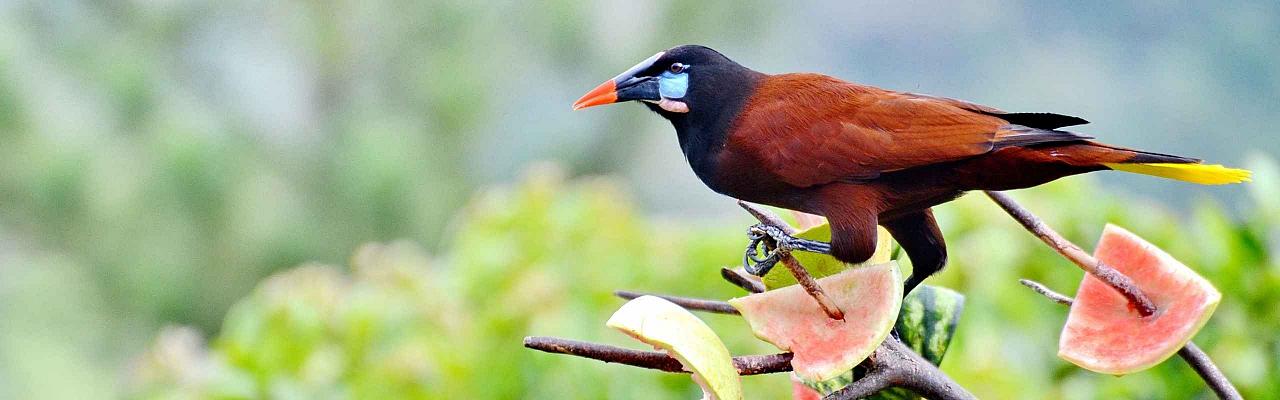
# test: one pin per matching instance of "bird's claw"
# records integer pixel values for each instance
(775, 243)
(752, 261)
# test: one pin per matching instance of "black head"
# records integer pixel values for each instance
(699, 90)
(683, 80)
(696, 88)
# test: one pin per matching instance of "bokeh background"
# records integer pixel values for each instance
(160, 159)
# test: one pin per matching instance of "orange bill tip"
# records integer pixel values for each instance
(606, 93)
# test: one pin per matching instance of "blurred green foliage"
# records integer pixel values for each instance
(542, 258)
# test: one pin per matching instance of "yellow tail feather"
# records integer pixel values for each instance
(1204, 174)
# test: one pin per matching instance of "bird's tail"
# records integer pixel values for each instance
(1180, 168)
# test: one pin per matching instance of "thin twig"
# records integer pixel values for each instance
(1191, 353)
(610, 354)
(811, 285)
(1071, 251)
(714, 306)
(742, 281)
(746, 365)
(767, 217)
(1046, 292)
(806, 281)
(762, 364)
(1209, 371)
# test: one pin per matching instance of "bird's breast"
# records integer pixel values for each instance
(740, 175)
(722, 169)
(706, 166)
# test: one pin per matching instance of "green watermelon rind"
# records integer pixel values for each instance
(929, 333)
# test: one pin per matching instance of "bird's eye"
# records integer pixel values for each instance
(677, 68)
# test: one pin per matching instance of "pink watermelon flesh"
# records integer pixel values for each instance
(824, 348)
(1104, 334)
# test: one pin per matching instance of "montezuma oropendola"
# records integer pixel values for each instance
(861, 155)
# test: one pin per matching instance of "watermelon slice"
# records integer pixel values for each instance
(1103, 334)
(669, 327)
(926, 324)
(825, 348)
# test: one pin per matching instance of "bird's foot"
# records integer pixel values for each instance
(775, 243)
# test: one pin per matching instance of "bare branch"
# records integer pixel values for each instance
(1071, 251)
(767, 217)
(742, 281)
(1190, 353)
(610, 354)
(1209, 371)
(811, 285)
(762, 364)
(894, 365)
(866, 386)
(714, 306)
(1046, 292)
(746, 365)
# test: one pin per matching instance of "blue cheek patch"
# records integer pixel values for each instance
(673, 86)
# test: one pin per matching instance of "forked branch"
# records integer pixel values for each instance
(896, 365)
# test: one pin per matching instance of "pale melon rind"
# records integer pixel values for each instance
(669, 327)
(1104, 335)
(824, 348)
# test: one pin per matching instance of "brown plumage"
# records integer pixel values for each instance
(861, 155)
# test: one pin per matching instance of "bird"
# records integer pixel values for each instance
(863, 156)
